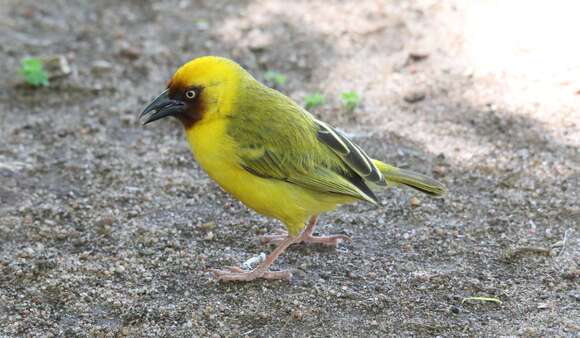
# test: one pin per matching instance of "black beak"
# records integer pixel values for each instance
(162, 106)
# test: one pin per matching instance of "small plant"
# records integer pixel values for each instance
(313, 100)
(32, 69)
(350, 99)
(276, 78)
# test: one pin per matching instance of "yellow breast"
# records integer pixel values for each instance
(215, 151)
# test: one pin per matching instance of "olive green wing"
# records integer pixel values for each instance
(286, 143)
(265, 161)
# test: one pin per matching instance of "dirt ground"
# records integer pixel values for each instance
(107, 228)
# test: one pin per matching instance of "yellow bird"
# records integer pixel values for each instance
(271, 154)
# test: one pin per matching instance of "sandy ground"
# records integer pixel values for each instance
(108, 228)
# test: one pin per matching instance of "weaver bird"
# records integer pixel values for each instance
(271, 154)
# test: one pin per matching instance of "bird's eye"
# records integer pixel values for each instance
(190, 94)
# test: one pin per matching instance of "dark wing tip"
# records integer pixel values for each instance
(350, 153)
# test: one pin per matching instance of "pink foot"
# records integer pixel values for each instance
(234, 273)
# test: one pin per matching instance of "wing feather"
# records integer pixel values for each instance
(296, 148)
(351, 153)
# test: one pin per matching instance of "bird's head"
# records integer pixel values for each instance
(200, 90)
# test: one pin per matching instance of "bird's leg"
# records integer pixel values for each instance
(261, 271)
(307, 236)
(331, 240)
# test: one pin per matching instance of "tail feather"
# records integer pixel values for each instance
(412, 179)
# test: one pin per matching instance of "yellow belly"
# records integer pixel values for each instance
(293, 205)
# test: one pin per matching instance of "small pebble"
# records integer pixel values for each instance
(105, 221)
(439, 170)
(101, 66)
(414, 96)
(56, 66)
(418, 56)
(209, 236)
(208, 226)
(297, 314)
(130, 53)
(415, 202)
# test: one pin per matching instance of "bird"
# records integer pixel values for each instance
(271, 154)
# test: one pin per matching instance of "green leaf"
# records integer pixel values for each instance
(33, 72)
(313, 100)
(276, 78)
(350, 99)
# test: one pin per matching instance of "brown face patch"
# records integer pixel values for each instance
(194, 107)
